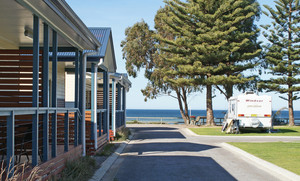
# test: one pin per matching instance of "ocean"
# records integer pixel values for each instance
(156, 115)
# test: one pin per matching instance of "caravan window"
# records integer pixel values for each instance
(233, 108)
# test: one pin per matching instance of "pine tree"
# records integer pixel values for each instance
(247, 82)
(282, 52)
(210, 43)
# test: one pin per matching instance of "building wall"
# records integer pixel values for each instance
(108, 59)
(60, 83)
(69, 89)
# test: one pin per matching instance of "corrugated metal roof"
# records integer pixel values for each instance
(102, 35)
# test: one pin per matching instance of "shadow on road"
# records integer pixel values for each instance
(171, 168)
(157, 133)
(167, 147)
(160, 153)
(154, 128)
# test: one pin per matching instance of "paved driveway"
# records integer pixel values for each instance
(170, 153)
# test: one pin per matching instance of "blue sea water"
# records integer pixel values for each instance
(176, 113)
(144, 114)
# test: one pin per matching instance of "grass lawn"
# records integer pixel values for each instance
(281, 131)
(283, 154)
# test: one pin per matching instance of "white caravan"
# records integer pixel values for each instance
(249, 111)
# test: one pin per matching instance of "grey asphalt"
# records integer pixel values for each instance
(159, 152)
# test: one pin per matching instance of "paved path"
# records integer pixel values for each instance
(172, 153)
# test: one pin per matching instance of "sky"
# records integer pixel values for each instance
(120, 14)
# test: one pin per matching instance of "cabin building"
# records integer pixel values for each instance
(40, 123)
(105, 91)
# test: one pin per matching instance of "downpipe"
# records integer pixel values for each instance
(101, 65)
(84, 61)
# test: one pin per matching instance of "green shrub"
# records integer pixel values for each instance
(123, 134)
(133, 122)
(107, 150)
(78, 170)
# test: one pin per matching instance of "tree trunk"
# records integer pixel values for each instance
(290, 75)
(291, 109)
(184, 100)
(184, 116)
(209, 110)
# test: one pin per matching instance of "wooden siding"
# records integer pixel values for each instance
(90, 144)
(61, 128)
(100, 98)
(16, 78)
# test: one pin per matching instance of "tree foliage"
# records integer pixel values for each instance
(212, 44)
(283, 51)
(139, 51)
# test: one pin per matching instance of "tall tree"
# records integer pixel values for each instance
(283, 51)
(211, 43)
(246, 26)
(139, 51)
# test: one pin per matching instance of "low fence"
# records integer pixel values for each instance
(38, 134)
(202, 120)
(169, 120)
(285, 121)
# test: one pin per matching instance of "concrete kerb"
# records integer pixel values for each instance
(188, 132)
(275, 170)
(105, 166)
(191, 133)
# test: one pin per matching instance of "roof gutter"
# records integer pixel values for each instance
(122, 79)
(83, 107)
(115, 76)
(126, 81)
